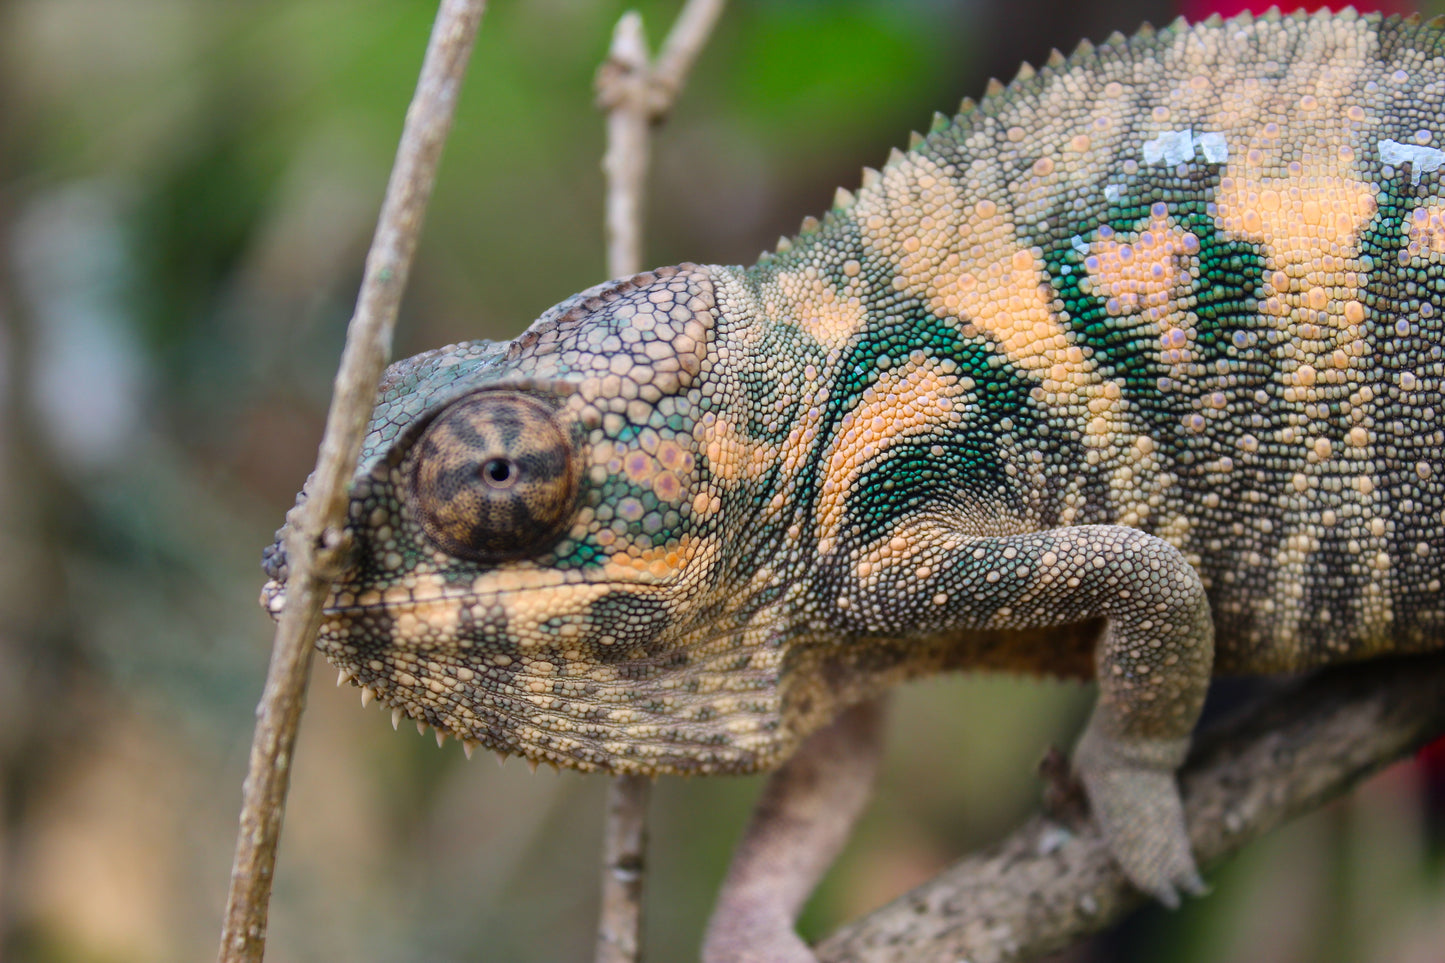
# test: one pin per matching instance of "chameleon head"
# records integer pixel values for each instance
(538, 548)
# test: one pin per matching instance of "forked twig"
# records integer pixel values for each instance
(315, 547)
(636, 94)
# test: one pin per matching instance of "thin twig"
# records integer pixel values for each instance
(316, 546)
(636, 94)
(622, 89)
(680, 50)
(1046, 887)
(619, 921)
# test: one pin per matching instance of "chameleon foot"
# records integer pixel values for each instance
(1138, 808)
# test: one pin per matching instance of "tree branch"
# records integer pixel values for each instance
(1045, 887)
(315, 548)
(636, 94)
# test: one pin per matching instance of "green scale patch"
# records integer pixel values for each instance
(952, 461)
(1404, 300)
(1222, 302)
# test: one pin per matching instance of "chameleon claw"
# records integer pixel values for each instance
(1171, 894)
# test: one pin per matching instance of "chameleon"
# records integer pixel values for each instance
(1130, 371)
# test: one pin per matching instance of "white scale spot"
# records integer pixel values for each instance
(1422, 160)
(1174, 147)
(1213, 145)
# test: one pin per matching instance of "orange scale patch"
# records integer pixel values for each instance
(672, 456)
(641, 468)
(1425, 230)
(667, 487)
(1293, 221)
(966, 262)
(832, 317)
(730, 455)
(661, 563)
(1134, 276)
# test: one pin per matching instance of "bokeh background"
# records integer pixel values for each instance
(186, 191)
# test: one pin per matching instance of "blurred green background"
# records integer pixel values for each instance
(186, 191)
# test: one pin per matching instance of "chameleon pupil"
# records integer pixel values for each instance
(498, 473)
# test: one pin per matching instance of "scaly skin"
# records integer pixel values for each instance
(1132, 371)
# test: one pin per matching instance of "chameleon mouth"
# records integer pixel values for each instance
(370, 694)
(273, 599)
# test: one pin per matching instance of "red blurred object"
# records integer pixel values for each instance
(1431, 763)
(1199, 9)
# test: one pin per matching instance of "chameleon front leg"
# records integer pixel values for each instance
(802, 819)
(1153, 663)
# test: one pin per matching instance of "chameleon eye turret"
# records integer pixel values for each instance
(493, 477)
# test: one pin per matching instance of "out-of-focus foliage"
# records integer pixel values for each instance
(186, 191)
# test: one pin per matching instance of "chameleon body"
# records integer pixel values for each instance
(1131, 371)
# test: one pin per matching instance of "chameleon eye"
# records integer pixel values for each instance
(493, 477)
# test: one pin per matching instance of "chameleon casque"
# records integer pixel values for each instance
(1131, 371)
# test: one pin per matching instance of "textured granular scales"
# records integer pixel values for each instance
(1144, 347)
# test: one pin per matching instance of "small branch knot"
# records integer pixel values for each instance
(1063, 799)
(335, 553)
(628, 80)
